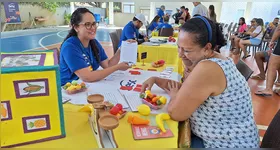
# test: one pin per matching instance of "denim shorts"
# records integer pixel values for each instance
(255, 41)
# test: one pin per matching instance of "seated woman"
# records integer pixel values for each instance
(215, 97)
(255, 37)
(153, 25)
(165, 24)
(235, 38)
(81, 54)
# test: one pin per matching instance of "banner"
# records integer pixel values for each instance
(12, 12)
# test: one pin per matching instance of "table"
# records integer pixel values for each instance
(79, 134)
(168, 52)
(175, 33)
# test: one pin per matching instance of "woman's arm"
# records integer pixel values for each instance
(207, 79)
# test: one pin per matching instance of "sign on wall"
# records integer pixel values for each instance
(12, 12)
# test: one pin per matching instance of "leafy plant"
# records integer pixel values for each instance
(67, 18)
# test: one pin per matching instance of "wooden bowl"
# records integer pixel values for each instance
(108, 122)
(95, 98)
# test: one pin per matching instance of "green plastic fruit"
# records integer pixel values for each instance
(159, 102)
(74, 82)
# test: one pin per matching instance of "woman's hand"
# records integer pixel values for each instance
(173, 88)
(148, 84)
(123, 66)
(271, 45)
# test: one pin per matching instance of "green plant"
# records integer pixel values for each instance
(67, 18)
(51, 6)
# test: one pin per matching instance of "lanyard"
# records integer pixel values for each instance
(87, 55)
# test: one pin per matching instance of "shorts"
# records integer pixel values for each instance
(255, 41)
(277, 48)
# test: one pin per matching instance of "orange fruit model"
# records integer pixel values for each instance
(4, 111)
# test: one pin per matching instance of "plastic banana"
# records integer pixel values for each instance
(159, 120)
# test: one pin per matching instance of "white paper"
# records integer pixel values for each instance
(129, 52)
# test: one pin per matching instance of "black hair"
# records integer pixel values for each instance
(166, 19)
(135, 19)
(212, 12)
(183, 7)
(196, 15)
(198, 27)
(260, 21)
(155, 19)
(187, 9)
(243, 20)
(276, 18)
(76, 18)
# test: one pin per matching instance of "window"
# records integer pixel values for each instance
(128, 7)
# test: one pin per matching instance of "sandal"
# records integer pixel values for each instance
(244, 57)
(277, 83)
(257, 77)
(277, 91)
(263, 94)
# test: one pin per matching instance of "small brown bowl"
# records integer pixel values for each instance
(108, 122)
(95, 98)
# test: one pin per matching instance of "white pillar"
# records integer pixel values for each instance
(111, 12)
(152, 10)
(248, 11)
(72, 8)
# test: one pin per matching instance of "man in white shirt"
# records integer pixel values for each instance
(200, 10)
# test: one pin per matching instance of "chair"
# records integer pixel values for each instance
(271, 137)
(115, 40)
(244, 69)
(166, 32)
(119, 33)
(257, 47)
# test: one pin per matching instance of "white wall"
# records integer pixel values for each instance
(268, 11)
(229, 11)
(121, 19)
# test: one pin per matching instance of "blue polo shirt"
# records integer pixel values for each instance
(164, 25)
(160, 14)
(129, 32)
(74, 56)
(153, 26)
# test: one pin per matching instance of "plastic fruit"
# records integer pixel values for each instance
(144, 110)
(114, 110)
(158, 102)
(137, 120)
(74, 82)
(78, 87)
(68, 84)
(87, 108)
(119, 106)
(163, 100)
(159, 120)
(154, 99)
(4, 112)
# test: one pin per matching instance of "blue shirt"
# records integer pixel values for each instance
(164, 25)
(129, 32)
(160, 14)
(153, 26)
(73, 56)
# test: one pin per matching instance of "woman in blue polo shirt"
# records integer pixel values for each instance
(153, 25)
(81, 54)
(165, 24)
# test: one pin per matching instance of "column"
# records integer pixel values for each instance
(248, 11)
(111, 12)
(72, 7)
(152, 10)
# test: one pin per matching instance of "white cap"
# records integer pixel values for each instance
(141, 18)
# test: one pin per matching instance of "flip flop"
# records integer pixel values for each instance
(277, 83)
(263, 94)
(244, 57)
(277, 91)
(257, 77)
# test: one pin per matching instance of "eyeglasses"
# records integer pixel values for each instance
(89, 25)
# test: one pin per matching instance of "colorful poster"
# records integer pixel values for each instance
(12, 12)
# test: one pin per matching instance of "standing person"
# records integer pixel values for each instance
(215, 97)
(273, 66)
(185, 14)
(176, 16)
(200, 10)
(81, 54)
(161, 13)
(212, 13)
(131, 30)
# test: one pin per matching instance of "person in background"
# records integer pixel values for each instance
(181, 22)
(131, 30)
(153, 25)
(81, 54)
(215, 97)
(161, 13)
(255, 38)
(185, 14)
(235, 38)
(261, 58)
(212, 13)
(273, 66)
(200, 9)
(165, 24)
(272, 25)
(176, 16)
